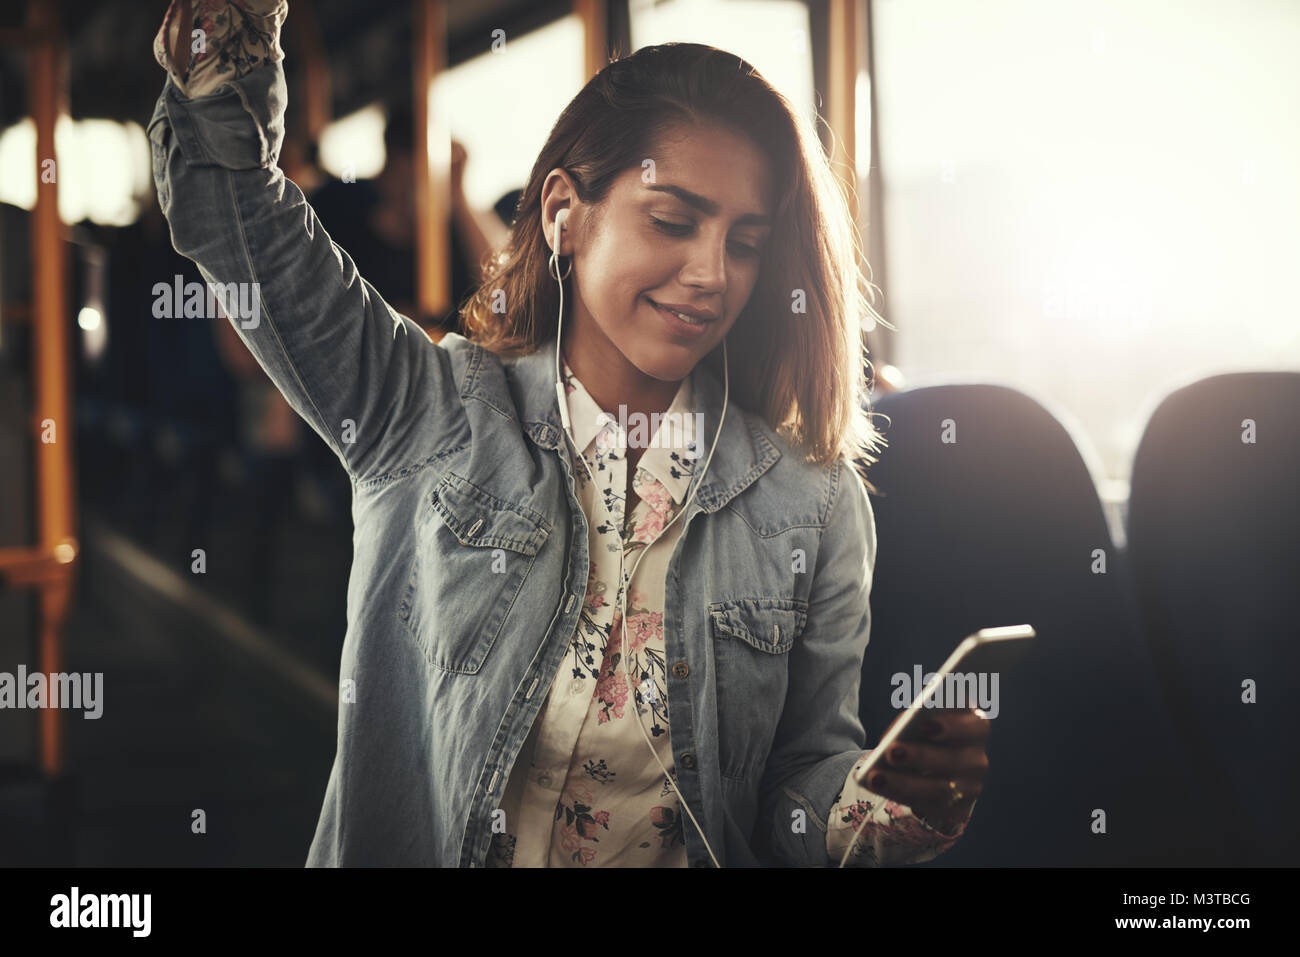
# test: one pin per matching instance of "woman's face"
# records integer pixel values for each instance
(687, 232)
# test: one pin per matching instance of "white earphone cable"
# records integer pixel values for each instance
(625, 584)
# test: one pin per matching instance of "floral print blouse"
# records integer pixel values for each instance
(585, 790)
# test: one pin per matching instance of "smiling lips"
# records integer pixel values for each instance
(691, 315)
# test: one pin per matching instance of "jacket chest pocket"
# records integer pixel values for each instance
(751, 648)
(472, 554)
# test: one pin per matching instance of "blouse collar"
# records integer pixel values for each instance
(671, 454)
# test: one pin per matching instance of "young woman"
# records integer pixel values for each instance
(577, 635)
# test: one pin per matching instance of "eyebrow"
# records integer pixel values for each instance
(709, 207)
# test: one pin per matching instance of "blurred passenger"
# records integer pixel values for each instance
(374, 220)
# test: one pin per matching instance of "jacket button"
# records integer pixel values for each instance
(680, 670)
(687, 759)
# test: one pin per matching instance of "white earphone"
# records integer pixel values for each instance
(560, 217)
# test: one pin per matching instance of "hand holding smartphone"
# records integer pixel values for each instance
(989, 650)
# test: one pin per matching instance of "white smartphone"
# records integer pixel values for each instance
(990, 650)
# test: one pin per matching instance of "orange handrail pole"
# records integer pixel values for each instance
(313, 98)
(880, 340)
(52, 419)
(431, 162)
(848, 58)
(595, 35)
(318, 92)
(844, 62)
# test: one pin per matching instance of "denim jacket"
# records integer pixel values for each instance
(470, 540)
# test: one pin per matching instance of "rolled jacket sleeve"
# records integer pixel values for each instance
(228, 39)
(366, 379)
(881, 831)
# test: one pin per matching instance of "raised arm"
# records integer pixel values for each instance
(369, 381)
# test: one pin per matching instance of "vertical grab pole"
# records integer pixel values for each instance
(882, 343)
(316, 94)
(595, 35)
(52, 416)
(432, 163)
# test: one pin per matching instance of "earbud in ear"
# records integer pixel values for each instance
(560, 218)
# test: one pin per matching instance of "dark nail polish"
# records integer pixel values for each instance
(878, 781)
(897, 754)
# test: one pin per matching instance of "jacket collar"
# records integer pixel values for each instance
(744, 451)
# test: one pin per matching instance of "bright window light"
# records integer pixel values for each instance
(501, 117)
(773, 35)
(101, 168)
(1094, 203)
(353, 146)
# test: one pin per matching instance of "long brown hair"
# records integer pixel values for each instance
(802, 371)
